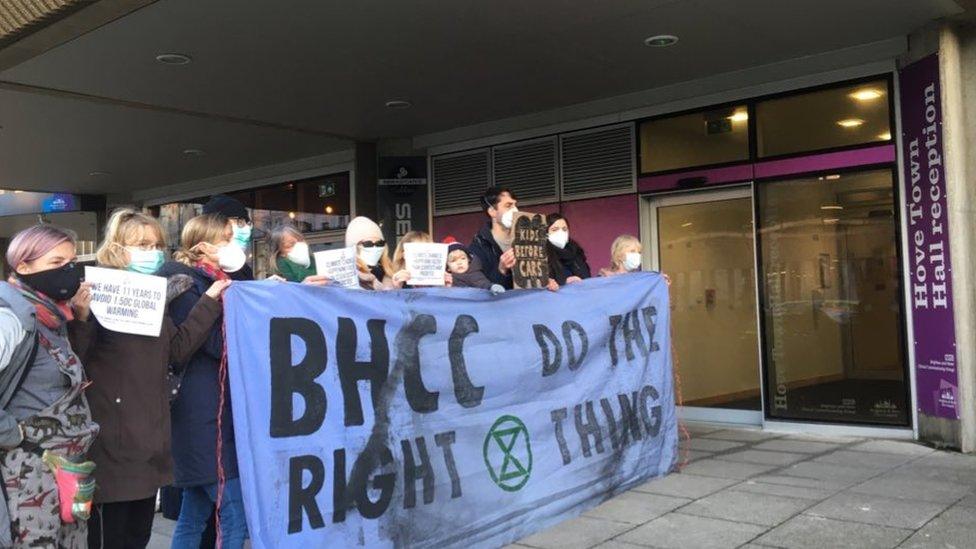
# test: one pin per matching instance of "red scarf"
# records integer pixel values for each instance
(211, 271)
(52, 314)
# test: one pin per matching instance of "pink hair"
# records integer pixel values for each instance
(32, 243)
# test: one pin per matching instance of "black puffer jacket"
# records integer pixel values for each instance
(567, 262)
(488, 252)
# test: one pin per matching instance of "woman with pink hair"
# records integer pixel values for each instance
(45, 423)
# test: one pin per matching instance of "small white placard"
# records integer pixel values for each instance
(426, 263)
(127, 302)
(339, 265)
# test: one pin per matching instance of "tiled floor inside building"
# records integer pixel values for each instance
(747, 488)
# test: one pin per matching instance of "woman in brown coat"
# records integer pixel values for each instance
(130, 393)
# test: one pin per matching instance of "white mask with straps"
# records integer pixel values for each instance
(371, 256)
(299, 254)
(559, 239)
(509, 217)
(230, 258)
(632, 261)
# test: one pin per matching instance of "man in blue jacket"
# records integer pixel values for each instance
(493, 243)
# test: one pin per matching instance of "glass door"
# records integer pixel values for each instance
(704, 241)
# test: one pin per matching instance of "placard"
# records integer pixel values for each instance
(426, 263)
(339, 265)
(127, 302)
(529, 239)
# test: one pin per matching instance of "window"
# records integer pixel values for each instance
(831, 299)
(716, 136)
(839, 117)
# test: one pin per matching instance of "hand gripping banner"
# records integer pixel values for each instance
(444, 417)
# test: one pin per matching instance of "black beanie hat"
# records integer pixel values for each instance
(226, 206)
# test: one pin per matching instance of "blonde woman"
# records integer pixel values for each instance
(130, 394)
(625, 256)
(372, 259)
(207, 254)
(401, 275)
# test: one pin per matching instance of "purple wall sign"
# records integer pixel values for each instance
(928, 240)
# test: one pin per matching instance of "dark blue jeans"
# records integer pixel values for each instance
(198, 502)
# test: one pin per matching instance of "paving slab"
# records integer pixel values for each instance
(831, 472)
(580, 533)
(968, 501)
(776, 478)
(693, 455)
(810, 532)
(680, 531)
(948, 460)
(743, 436)
(726, 469)
(958, 476)
(951, 529)
(764, 457)
(824, 438)
(700, 428)
(749, 507)
(815, 494)
(636, 507)
(893, 485)
(710, 445)
(801, 446)
(685, 485)
(864, 459)
(877, 510)
(617, 544)
(892, 447)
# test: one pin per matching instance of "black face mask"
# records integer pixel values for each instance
(58, 284)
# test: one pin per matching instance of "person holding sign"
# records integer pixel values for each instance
(567, 262)
(289, 257)
(372, 260)
(201, 411)
(401, 271)
(493, 243)
(130, 392)
(44, 414)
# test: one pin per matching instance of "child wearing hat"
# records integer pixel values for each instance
(465, 269)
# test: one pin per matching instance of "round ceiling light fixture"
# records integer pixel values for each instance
(193, 152)
(174, 58)
(660, 40)
(398, 104)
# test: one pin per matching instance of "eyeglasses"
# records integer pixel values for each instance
(372, 243)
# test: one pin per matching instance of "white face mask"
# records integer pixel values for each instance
(371, 256)
(632, 261)
(559, 239)
(230, 258)
(299, 254)
(509, 217)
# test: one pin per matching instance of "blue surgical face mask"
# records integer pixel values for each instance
(144, 261)
(242, 235)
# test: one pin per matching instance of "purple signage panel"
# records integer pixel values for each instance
(928, 240)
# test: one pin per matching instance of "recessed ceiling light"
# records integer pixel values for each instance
(98, 173)
(398, 104)
(867, 94)
(689, 224)
(886, 136)
(661, 40)
(850, 122)
(832, 177)
(831, 220)
(174, 58)
(740, 115)
(328, 209)
(193, 152)
(831, 207)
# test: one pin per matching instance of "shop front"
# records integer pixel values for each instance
(777, 219)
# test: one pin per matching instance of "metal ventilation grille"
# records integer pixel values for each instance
(528, 168)
(459, 180)
(21, 17)
(596, 162)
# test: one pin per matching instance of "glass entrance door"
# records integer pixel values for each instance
(704, 242)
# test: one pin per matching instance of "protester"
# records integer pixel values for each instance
(567, 262)
(130, 392)
(207, 254)
(625, 256)
(493, 243)
(42, 392)
(235, 212)
(465, 270)
(401, 275)
(372, 260)
(289, 256)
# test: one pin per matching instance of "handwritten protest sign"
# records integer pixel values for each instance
(127, 302)
(531, 259)
(425, 262)
(339, 265)
(440, 419)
